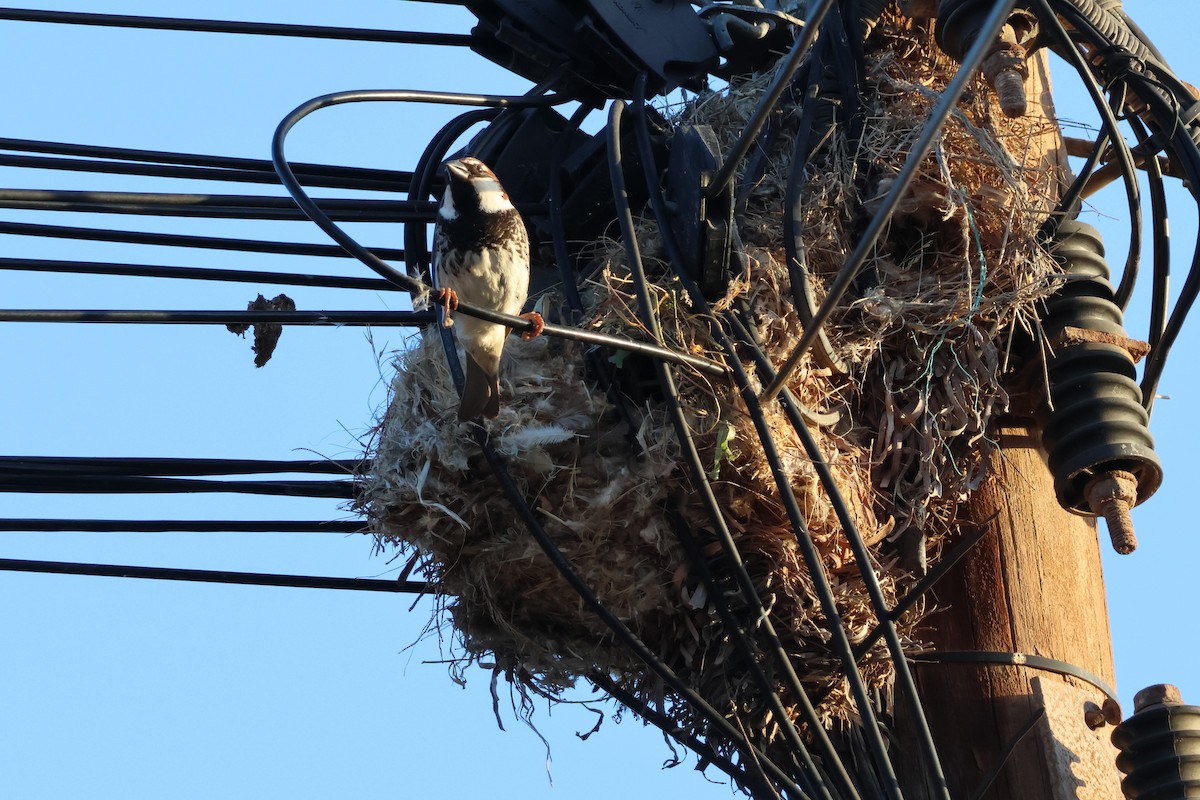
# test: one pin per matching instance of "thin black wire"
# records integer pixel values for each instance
(182, 240)
(210, 206)
(811, 775)
(990, 776)
(34, 482)
(403, 319)
(178, 466)
(196, 273)
(1068, 202)
(229, 26)
(170, 164)
(44, 525)
(1161, 237)
(920, 148)
(213, 576)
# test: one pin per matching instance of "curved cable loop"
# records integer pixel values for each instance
(419, 288)
(731, 734)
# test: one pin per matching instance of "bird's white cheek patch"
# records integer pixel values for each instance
(492, 198)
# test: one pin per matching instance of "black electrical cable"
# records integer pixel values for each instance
(210, 206)
(1016, 660)
(403, 319)
(1161, 237)
(562, 258)
(191, 165)
(600, 366)
(795, 252)
(181, 240)
(348, 243)
(214, 576)
(122, 465)
(35, 483)
(1068, 203)
(916, 155)
(833, 764)
(195, 273)
(935, 573)
(43, 525)
(229, 26)
(810, 776)
(267, 176)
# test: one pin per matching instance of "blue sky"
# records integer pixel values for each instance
(123, 688)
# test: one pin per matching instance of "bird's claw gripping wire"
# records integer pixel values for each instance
(448, 299)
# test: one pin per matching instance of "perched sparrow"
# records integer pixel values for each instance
(481, 256)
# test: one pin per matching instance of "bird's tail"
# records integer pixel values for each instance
(481, 390)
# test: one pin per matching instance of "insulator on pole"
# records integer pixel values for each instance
(1159, 747)
(1094, 426)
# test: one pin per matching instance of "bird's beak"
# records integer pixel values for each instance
(457, 170)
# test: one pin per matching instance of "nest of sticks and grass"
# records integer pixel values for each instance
(900, 407)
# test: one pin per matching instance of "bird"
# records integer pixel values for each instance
(480, 257)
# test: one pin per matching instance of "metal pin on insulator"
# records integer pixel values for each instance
(1160, 747)
(1093, 425)
(1006, 64)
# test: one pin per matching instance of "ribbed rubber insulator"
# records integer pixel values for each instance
(1160, 753)
(1094, 421)
(958, 23)
(1086, 299)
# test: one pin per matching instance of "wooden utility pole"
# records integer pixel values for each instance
(1032, 585)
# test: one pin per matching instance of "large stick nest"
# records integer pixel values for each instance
(918, 354)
